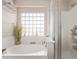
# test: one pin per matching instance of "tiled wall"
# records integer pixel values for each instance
(8, 22)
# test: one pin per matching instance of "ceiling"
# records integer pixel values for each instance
(20, 3)
(65, 4)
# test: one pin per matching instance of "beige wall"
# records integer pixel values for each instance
(69, 19)
(8, 22)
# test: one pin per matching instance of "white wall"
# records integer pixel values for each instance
(8, 22)
(69, 19)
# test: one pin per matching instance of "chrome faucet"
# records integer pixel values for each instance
(44, 43)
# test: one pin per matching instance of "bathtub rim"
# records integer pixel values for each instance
(4, 54)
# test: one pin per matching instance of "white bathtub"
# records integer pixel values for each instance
(28, 51)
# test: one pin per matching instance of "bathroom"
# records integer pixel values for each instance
(45, 26)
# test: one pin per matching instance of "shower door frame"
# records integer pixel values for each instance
(57, 26)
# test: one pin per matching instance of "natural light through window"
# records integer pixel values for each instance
(32, 24)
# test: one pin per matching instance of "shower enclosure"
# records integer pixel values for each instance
(63, 13)
(55, 26)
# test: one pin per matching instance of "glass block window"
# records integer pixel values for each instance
(32, 24)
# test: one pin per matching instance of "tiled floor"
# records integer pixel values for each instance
(69, 55)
